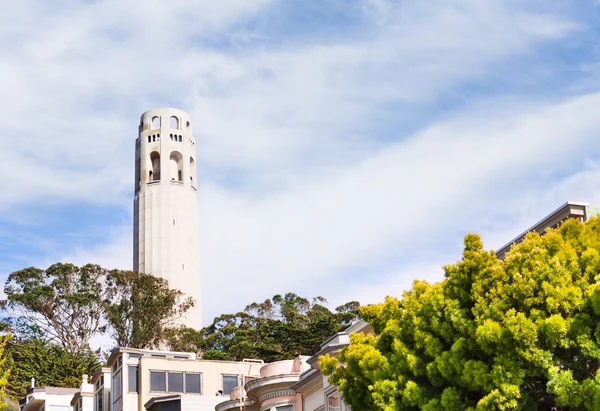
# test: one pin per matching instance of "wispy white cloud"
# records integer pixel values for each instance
(442, 178)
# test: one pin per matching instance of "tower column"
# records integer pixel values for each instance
(166, 221)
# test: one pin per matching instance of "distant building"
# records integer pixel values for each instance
(570, 209)
(271, 391)
(48, 399)
(154, 380)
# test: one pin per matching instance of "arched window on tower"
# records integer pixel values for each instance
(137, 173)
(176, 166)
(155, 122)
(192, 170)
(174, 123)
(155, 172)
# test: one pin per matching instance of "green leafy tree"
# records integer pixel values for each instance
(63, 303)
(518, 334)
(276, 329)
(140, 308)
(185, 339)
(50, 364)
(67, 305)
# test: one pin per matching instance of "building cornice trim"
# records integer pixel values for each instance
(275, 394)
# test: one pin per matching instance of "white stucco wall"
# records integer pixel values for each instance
(314, 400)
(166, 221)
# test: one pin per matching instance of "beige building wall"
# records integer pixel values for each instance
(314, 400)
(145, 361)
(211, 371)
(166, 221)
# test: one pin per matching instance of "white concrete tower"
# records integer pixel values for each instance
(165, 223)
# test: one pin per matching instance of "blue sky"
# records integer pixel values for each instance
(345, 147)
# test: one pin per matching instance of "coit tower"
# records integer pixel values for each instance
(165, 223)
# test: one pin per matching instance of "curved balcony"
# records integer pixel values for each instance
(277, 376)
(235, 405)
(237, 393)
(277, 368)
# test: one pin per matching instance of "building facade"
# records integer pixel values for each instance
(271, 391)
(166, 226)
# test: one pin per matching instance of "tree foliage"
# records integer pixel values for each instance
(141, 307)
(50, 364)
(276, 329)
(67, 305)
(64, 302)
(518, 334)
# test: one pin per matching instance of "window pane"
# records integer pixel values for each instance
(192, 383)
(133, 378)
(334, 402)
(229, 383)
(158, 381)
(117, 381)
(175, 382)
(99, 401)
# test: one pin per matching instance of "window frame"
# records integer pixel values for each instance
(199, 374)
(182, 382)
(150, 379)
(99, 394)
(137, 377)
(223, 382)
(330, 395)
(184, 375)
(116, 403)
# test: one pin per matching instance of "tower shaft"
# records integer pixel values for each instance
(166, 226)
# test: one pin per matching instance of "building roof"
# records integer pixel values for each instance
(570, 209)
(30, 402)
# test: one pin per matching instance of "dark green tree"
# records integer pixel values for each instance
(276, 329)
(185, 339)
(140, 308)
(518, 334)
(50, 364)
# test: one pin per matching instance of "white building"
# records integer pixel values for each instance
(48, 399)
(165, 226)
(150, 380)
